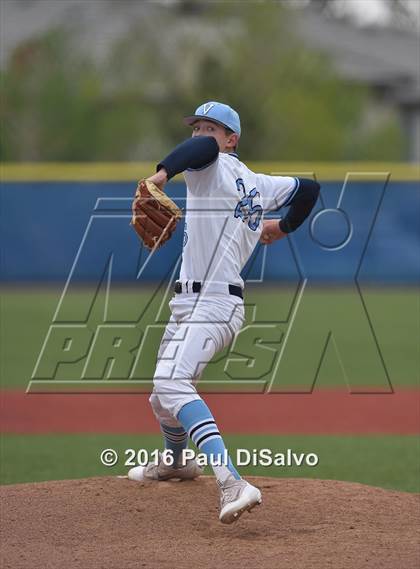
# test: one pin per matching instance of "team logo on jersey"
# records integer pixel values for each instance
(207, 107)
(245, 209)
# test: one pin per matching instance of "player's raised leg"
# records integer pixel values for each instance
(237, 495)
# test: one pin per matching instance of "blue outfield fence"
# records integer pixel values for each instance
(50, 228)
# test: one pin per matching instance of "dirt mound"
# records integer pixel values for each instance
(111, 523)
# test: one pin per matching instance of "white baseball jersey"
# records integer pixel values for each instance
(225, 206)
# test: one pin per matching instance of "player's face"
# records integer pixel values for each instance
(208, 128)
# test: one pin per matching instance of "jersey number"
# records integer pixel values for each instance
(245, 209)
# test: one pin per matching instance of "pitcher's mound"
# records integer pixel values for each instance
(112, 523)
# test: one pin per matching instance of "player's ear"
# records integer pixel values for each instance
(233, 140)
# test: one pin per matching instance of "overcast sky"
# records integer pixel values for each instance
(368, 12)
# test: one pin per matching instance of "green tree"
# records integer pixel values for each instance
(60, 103)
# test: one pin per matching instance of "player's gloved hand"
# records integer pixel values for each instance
(159, 179)
(271, 232)
(155, 215)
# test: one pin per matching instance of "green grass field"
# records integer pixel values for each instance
(386, 461)
(393, 316)
(361, 345)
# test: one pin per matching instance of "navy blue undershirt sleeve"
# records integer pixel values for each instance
(195, 153)
(301, 205)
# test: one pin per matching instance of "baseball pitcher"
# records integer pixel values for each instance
(224, 221)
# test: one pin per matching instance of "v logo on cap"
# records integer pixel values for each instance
(207, 107)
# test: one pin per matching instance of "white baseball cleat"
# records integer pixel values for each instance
(161, 471)
(237, 497)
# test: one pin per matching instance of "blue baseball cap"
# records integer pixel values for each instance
(218, 113)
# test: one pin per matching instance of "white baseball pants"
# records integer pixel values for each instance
(200, 326)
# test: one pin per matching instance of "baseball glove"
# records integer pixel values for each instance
(155, 215)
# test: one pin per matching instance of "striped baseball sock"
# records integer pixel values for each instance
(200, 425)
(176, 440)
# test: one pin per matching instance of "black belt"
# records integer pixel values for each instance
(196, 287)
